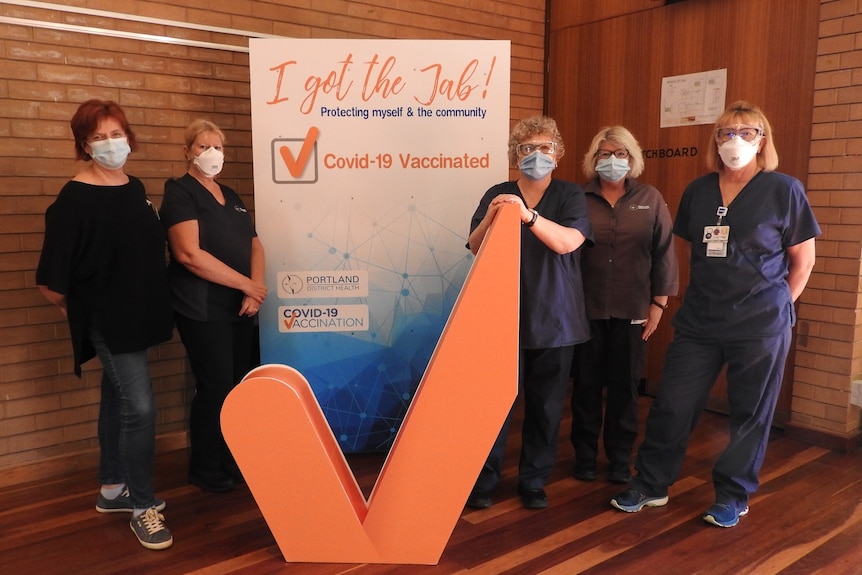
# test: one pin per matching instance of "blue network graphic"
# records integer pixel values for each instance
(365, 380)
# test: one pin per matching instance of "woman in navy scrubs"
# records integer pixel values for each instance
(751, 232)
(552, 314)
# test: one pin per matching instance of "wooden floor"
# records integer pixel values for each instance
(805, 519)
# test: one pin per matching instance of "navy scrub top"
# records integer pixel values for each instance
(744, 294)
(552, 294)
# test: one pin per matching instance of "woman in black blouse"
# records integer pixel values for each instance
(103, 264)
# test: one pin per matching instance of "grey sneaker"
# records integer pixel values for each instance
(151, 531)
(122, 503)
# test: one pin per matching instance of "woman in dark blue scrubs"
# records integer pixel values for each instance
(751, 233)
(552, 314)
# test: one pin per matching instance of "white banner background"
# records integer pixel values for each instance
(370, 156)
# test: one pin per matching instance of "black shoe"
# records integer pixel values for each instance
(213, 481)
(585, 471)
(479, 499)
(234, 473)
(533, 498)
(619, 473)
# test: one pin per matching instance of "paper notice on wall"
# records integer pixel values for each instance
(693, 98)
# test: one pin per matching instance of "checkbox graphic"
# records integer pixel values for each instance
(294, 160)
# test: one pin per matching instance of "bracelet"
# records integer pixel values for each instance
(532, 221)
(655, 303)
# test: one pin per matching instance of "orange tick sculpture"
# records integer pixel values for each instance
(300, 479)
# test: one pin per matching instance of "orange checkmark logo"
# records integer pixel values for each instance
(299, 476)
(288, 323)
(296, 165)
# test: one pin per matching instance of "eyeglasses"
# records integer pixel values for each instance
(530, 147)
(747, 133)
(620, 154)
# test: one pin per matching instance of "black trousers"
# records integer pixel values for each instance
(543, 378)
(220, 356)
(613, 360)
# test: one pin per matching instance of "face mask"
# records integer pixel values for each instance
(737, 153)
(111, 153)
(210, 161)
(537, 166)
(612, 169)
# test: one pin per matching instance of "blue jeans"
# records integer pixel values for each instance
(127, 422)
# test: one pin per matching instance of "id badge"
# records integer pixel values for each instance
(716, 238)
(716, 249)
(716, 234)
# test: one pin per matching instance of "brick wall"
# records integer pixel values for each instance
(829, 352)
(45, 411)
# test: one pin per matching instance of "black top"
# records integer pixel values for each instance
(225, 231)
(104, 250)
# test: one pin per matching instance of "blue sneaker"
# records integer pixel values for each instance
(632, 500)
(724, 515)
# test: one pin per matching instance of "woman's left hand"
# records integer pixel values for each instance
(250, 307)
(526, 214)
(651, 324)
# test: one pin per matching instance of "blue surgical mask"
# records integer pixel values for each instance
(110, 153)
(612, 169)
(537, 166)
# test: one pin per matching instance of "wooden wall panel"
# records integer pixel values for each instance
(610, 71)
(567, 14)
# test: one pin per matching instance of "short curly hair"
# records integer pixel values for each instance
(534, 126)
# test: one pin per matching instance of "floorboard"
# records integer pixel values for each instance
(806, 518)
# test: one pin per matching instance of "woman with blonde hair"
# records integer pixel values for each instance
(751, 233)
(628, 275)
(217, 286)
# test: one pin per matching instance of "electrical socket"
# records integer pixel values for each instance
(856, 393)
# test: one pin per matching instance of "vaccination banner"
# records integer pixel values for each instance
(370, 157)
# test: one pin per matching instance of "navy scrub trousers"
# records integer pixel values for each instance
(755, 368)
(544, 375)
